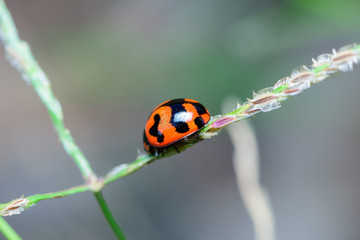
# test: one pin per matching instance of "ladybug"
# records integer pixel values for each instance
(173, 123)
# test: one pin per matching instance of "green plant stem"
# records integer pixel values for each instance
(126, 169)
(39, 197)
(8, 231)
(34, 199)
(116, 173)
(109, 216)
(319, 73)
(20, 56)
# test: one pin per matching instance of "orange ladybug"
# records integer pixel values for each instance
(172, 121)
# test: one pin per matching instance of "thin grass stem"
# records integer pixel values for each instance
(109, 216)
(8, 232)
(21, 58)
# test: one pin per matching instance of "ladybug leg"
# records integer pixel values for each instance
(158, 152)
(176, 148)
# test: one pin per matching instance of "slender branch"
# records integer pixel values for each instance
(8, 231)
(246, 165)
(126, 169)
(300, 79)
(18, 205)
(19, 55)
(109, 216)
(39, 197)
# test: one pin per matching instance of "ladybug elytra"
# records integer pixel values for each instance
(172, 121)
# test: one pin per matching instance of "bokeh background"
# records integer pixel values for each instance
(111, 62)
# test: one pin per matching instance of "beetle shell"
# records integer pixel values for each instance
(173, 121)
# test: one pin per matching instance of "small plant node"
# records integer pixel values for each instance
(16, 206)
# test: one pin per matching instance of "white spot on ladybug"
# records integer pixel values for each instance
(183, 116)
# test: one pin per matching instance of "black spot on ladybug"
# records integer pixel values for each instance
(160, 138)
(199, 108)
(199, 121)
(154, 129)
(181, 127)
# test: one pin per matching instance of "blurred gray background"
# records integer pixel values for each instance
(111, 62)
